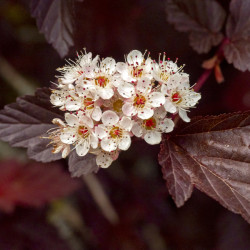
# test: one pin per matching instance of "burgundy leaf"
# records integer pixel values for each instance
(237, 51)
(178, 182)
(215, 153)
(32, 185)
(54, 20)
(23, 123)
(202, 19)
(79, 166)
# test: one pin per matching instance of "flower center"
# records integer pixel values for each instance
(83, 131)
(149, 123)
(136, 72)
(115, 132)
(117, 105)
(88, 103)
(164, 76)
(139, 101)
(101, 81)
(176, 98)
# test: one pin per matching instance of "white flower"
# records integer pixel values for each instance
(142, 100)
(179, 95)
(54, 136)
(164, 69)
(151, 129)
(114, 133)
(83, 67)
(101, 84)
(79, 132)
(136, 67)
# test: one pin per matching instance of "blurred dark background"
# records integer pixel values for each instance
(148, 218)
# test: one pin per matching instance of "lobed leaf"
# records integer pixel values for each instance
(237, 50)
(24, 123)
(215, 153)
(32, 185)
(79, 166)
(203, 19)
(54, 20)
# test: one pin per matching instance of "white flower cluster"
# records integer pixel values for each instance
(106, 103)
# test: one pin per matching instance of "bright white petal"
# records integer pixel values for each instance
(97, 114)
(104, 160)
(121, 67)
(157, 99)
(65, 152)
(128, 109)
(144, 85)
(146, 113)
(153, 137)
(126, 90)
(108, 145)
(101, 131)
(160, 112)
(108, 65)
(57, 100)
(72, 120)
(126, 123)
(85, 120)
(167, 125)
(169, 106)
(183, 115)
(83, 148)
(58, 122)
(109, 118)
(137, 130)
(125, 142)
(135, 57)
(68, 136)
(105, 93)
(94, 141)
(71, 105)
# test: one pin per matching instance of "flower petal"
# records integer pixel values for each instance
(135, 57)
(126, 123)
(72, 105)
(144, 85)
(83, 148)
(108, 65)
(153, 137)
(93, 141)
(104, 160)
(101, 131)
(68, 136)
(126, 90)
(137, 130)
(108, 145)
(125, 142)
(109, 118)
(146, 113)
(166, 126)
(72, 120)
(105, 93)
(97, 114)
(183, 115)
(157, 99)
(169, 106)
(121, 67)
(85, 120)
(128, 109)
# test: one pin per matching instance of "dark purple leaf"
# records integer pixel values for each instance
(79, 166)
(215, 153)
(178, 182)
(23, 123)
(54, 20)
(237, 51)
(203, 19)
(33, 184)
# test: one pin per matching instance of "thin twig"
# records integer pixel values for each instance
(101, 198)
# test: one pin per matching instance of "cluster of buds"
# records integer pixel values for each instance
(106, 103)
